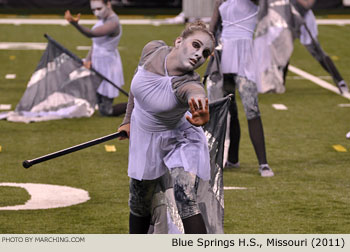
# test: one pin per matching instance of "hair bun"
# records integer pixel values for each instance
(196, 24)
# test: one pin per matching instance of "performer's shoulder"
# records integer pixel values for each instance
(153, 46)
(112, 18)
(150, 48)
(191, 78)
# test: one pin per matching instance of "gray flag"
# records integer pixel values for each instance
(60, 87)
(278, 25)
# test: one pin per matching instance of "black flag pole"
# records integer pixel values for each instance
(76, 58)
(29, 163)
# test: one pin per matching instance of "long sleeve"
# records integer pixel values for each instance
(129, 109)
(215, 19)
(191, 90)
(110, 27)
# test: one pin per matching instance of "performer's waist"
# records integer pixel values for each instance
(107, 49)
(158, 122)
(236, 33)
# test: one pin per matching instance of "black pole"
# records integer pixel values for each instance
(76, 58)
(29, 163)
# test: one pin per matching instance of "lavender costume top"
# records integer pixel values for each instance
(160, 136)
(106, 60)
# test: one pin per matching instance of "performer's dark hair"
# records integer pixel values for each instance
(104, 1)
(194, 27)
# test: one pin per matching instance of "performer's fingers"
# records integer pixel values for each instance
(200, 104)
(195, 106)
(190, 103)
(206, 104)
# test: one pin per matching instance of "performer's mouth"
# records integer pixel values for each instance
(193, 62)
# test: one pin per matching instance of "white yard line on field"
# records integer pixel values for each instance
(22, 46)
(30, 21)
(297, 77)
(317, 81)
(37, 46)
(333, 21)
(234, 188)
(346, 105)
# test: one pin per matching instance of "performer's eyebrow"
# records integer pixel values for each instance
(199, 41)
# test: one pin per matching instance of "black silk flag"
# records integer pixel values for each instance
(210, 194)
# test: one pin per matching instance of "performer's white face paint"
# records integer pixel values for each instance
(194, 50)
(99, 8)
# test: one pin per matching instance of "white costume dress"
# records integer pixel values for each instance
(239, 18)
(160, 136)
(106, 60)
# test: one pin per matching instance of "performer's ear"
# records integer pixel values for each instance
(178, 42)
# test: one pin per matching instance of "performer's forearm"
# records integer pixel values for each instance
(129, 109)
(84, 30)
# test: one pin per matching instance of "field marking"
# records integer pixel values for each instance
(110, 148)
(279, 106)
(317, 81)
(344, 105)
(83, 48)
(234, 188)
(36, 21)
(44, 196)
(297, 77)
(22, 46)
(339, 148)
(38, 46)
(5, 106)
(333, 22)
(10, 76)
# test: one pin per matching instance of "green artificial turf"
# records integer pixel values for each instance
(310, 192)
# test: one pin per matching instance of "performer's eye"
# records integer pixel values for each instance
(96, 9)
(196, 45)
(206, 53)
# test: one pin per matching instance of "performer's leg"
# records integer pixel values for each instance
(104, 105)
(256, 134)
(119, 109)
(327, 63)
(139, 225)
(140, 201)
(194, 225)
(235, 136)
(185, 191)
(235, 130)
(249, 96)
(285, 72)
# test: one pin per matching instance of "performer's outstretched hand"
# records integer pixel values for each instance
(126, 128)
(68, 16)
(200, 115)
